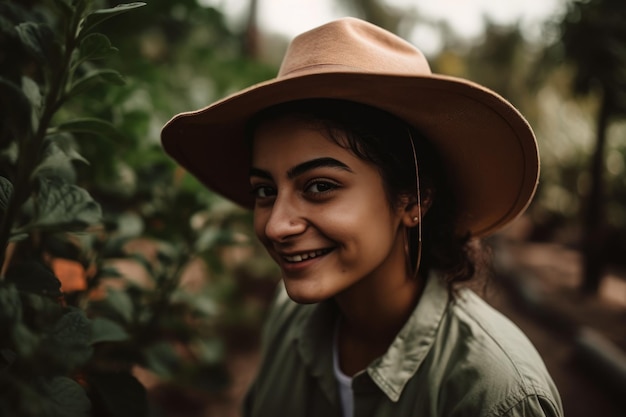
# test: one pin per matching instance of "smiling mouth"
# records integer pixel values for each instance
(306, 256)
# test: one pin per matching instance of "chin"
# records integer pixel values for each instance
(304, 296)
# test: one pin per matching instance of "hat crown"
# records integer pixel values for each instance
(352, 45)
(488, 149)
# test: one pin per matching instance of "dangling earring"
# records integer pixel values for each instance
(417, 218)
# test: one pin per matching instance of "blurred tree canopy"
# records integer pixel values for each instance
(571, 85)
(593, 41)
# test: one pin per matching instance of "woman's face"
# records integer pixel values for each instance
(322, 213)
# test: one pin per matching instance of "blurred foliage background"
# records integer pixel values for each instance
(569, 83)
(180, 264)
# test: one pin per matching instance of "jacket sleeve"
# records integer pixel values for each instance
(279, 317)
(535, 405)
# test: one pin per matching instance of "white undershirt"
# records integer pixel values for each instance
(343, 380)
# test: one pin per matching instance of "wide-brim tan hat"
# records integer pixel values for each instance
(488, 148)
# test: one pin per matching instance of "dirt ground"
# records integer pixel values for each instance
(582, 339)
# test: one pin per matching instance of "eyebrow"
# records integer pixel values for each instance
(304, 167)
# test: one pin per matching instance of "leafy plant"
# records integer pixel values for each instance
(122, 314)
(61, 355)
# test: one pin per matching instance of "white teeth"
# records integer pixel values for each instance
(304, 256)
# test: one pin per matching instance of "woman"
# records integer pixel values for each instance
(371, 180)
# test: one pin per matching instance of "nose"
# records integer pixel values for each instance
(285, 220)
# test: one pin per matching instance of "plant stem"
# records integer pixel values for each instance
(29, 149)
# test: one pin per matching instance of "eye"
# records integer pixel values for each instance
(320, 187)
(263, 191)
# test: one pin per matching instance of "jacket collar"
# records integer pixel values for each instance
(314, 339)
(390, 372)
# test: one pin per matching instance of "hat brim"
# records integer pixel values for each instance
(488, 148)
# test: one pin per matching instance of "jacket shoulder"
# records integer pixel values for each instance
(495, 365)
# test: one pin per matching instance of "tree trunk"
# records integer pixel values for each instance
(251, 47)
(594, 224)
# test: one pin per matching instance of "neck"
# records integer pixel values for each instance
(380, 303)
(372, 313)
(381, 315)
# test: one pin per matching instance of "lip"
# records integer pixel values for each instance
(296, 257)
(296, 261)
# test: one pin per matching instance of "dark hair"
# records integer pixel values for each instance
(384, 140)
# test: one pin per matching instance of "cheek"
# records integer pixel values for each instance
(361, 211)
(361, 226)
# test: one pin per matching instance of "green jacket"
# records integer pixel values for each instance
(451, 358)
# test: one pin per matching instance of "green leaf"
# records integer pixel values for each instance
(200, 304)
(34, 277)
(24, 340)
(6, 189)
(94, 78)
(58, 158)
(32, 92)
(96, 17)
(96, 46)
(109, 272)
(121, 303)
(64, 7)
(61, 245)
(70, 339)
(37, 38)
(8, 156)
(10, 306)
(95, 126)
(15, 116)
(163, 359)
(105, 330)
(17, 237)
(209, 351)
(214, 236)
(61, 205)
(64, 397)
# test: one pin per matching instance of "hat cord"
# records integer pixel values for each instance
(419, 215)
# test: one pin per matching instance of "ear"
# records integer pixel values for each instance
(412, 213)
